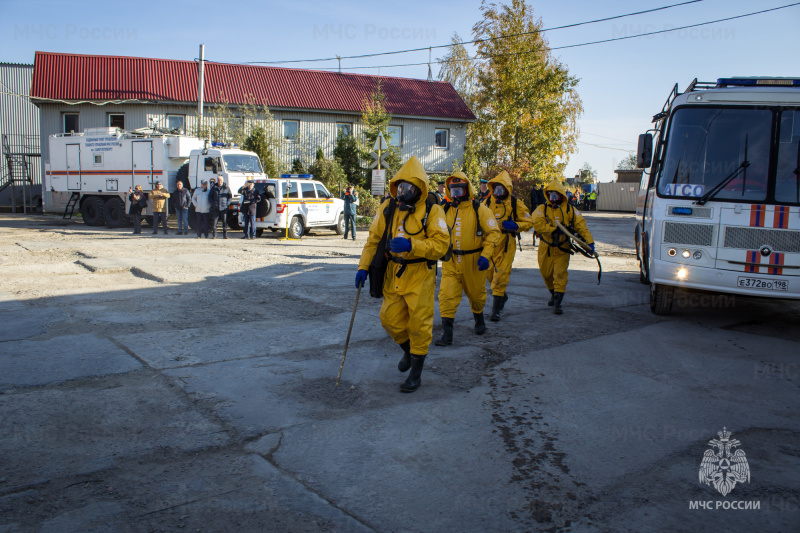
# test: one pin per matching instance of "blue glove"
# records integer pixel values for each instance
(510, 225)
(399, 245)
(483, 263)
(361, 277)
(592, 247)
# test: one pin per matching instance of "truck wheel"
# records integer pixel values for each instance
(92, 211)
(233, 222)
(114, 213)
(183, 175)
(296, 228)
(661, 297)
(339, 227)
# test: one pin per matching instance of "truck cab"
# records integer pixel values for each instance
(235, 166)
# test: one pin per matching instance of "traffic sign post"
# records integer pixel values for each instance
(378, 182)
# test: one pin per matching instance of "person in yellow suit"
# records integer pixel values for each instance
(554, 250)
(513, 217)
(417, 238)
(474, 234)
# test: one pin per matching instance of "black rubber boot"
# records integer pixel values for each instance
(497, 302)
(414, 379)
(552, 295)
(480, 325)
(557, 297)
(503, 302)
(447, 335)
(405, 362)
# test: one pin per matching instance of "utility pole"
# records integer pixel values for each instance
(200, 81)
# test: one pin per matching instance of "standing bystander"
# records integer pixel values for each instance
(250, 199)
(350, 198)
(200, 202)
(138, 202)
(218, 199)
(159, 197)
(182, 199)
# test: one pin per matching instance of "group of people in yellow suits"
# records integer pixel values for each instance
(476, 240)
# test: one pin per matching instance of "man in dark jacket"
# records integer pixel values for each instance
(350, 198)
(218, 200)
(182, 200)
(250, 199)
(138, 201)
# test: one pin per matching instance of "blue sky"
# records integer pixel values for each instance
(622, 83)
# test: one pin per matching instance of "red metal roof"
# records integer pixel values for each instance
(74, 77)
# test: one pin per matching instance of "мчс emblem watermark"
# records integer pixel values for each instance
(722, 467)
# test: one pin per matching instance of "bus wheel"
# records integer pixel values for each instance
(661, 297)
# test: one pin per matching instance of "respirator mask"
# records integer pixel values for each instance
(554, 197)
(408, 195)
(458, 192)
(500, 193)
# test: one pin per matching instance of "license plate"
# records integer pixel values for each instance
(763, 284)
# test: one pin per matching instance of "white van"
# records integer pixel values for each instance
(296, 203)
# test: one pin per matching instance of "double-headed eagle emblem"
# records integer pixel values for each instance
(724, 469)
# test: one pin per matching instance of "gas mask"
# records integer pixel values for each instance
(554, 197)
(458, 192)
(408, 195)
(500, 192)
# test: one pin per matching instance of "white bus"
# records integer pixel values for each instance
(719, 203)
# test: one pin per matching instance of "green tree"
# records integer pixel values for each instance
(348, 155)
(330, 173)
(524, 99)
(260, 143)
(587, 173)
(298, 167)
(629, 163)
(376, 120)
(320, 154)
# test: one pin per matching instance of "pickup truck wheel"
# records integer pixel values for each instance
(661, 298)
(114, 213)
(92, 211)
(339, 227)
(296, 228)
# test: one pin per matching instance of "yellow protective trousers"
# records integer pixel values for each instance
(502, 262)
(553, 264)
(407, 309)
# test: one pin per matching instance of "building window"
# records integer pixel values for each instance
(395, 136)
(70, 122)
(291, 130)
(176, 123)
(344, 128)
(116, 120)
(441, 138)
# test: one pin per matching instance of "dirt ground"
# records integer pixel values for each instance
(169, 383)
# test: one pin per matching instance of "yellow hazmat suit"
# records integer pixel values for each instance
(461, 274)
(553, 250)
(507, 246)
(407, 310)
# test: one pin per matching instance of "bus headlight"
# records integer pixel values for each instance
(682, 273)
(698, 255)
(686, 254)
(672, 252)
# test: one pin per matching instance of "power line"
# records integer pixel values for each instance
(606, 147)
(574, 45)
(604, 137)
(576, 24)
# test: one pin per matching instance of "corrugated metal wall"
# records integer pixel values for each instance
(316, 129)
(19, 118)
(617, 196)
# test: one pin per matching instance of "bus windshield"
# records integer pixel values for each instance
(241, 163)
(710, 145)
